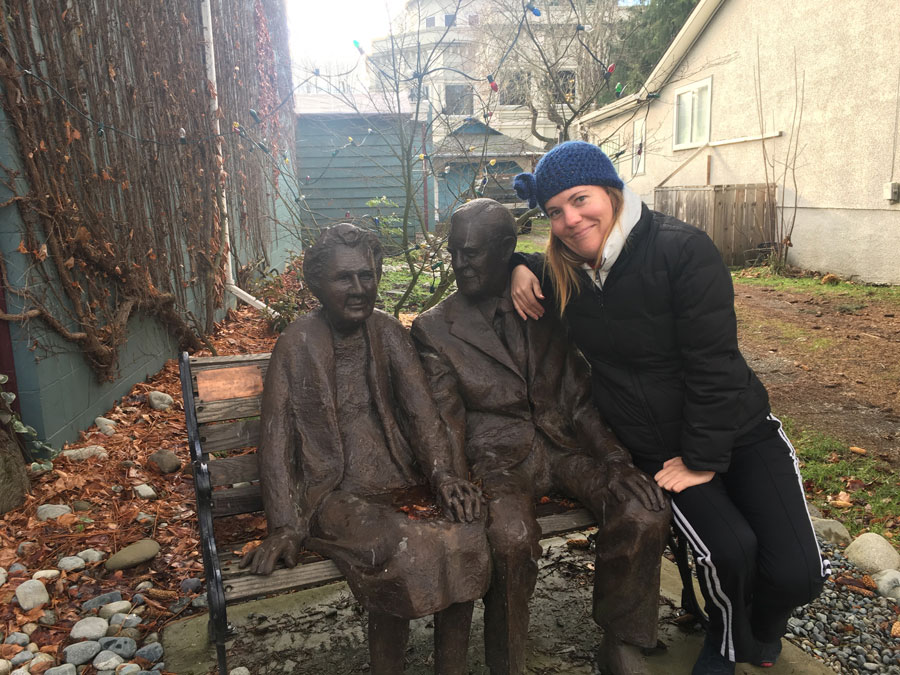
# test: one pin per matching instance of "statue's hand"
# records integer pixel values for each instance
(626, 481)
(461, 500)
(283, 543)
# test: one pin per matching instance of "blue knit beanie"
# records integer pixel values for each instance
(565, 166)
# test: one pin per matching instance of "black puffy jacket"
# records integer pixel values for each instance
(661, 338)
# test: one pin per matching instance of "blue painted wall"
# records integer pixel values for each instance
(338, 176)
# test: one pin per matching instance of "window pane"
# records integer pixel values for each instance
(429, 22)
(449, 19)
(683, 118)
(700, 115)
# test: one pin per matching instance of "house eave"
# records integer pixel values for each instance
(692, 29)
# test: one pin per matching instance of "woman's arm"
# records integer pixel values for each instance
(524, 285)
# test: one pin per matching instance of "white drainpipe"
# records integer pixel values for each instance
(230, 286)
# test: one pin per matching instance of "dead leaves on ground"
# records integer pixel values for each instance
(110, 523)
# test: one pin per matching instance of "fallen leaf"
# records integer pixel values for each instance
(895, 629)
(9, 651)
(22, 248)
(67, 519)
(858, 451)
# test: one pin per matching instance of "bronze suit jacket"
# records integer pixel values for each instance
(491, 408)
(300, 455)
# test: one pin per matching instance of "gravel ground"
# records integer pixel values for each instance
(848, 630)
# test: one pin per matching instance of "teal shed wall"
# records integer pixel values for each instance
(337, 176)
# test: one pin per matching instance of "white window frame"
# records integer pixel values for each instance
(690, 90)
(611, 147)
(639, 140)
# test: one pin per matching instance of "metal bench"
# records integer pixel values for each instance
(222, 408)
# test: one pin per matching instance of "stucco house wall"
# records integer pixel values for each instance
(848, 81)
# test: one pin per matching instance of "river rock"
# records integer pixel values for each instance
(81, 454)
(107, 660)
(888, 582)
(123, 646)
(64, 669)
(125, 620)
(71, 563)
(31, 594)
(240, 670)
(22, 657)
(100, 600)
(831, 531)
(114, 608)
(871, 553)
(90, 628)
(51, 511)
(2, 576)
(81, 505)
(160, 400)
(48, 575)
(144, 491)
(128, 669)
(17, 567)
(48, 618)
(106, 426)
(133, 555)
(17, 638)
(91, 555)
(152, 652)
(165, 461)
(5, 667)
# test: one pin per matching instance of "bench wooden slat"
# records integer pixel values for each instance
(281, 580)
(231, 470)
(199, 363)
(235, 501)
(222, 384)
(231, 409)
(230, 435)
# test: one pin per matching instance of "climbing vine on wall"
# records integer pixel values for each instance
(120, 207)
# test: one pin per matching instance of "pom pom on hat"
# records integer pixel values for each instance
(526, 188)
(567, 165)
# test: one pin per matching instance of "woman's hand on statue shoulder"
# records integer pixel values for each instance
(525, 291)
(675, 476)
(283, 543)
(460, 499)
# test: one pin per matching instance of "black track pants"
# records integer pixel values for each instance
(755, 551)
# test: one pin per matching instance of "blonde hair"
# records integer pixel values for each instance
(562, 264)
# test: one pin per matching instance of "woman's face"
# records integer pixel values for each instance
(581, 217)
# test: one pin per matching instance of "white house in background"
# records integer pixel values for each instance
(699, 121)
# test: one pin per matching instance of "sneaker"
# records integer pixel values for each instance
(767, 653)
(711, 662)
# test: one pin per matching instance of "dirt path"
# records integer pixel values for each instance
(831, 362)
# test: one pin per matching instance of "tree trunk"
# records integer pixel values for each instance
(14, 482)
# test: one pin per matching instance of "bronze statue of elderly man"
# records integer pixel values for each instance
(349, 430)
(516, 400)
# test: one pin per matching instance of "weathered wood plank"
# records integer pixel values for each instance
(199, 363)
(220, 411)
(236, 500)
(281, 580)
(230, 435)
(231, 470)
(560, 523)
(228, 383)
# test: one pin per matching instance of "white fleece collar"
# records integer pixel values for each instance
(631, 214)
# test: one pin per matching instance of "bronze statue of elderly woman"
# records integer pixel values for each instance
(348, 428)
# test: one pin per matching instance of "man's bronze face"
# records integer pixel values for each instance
(479, 258)
(348, 287)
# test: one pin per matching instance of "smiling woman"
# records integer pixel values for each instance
(649, 301)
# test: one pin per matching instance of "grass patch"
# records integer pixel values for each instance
(857, 293)
(833, 474)
(394, 280)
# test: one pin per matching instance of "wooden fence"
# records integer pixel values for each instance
(740, 219)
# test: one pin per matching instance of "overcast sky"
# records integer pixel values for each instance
(323, 31)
